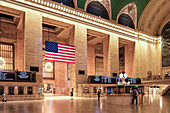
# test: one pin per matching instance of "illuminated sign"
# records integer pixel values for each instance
(112, 80)
(5, 76)
(23, 75)
(97, 78)
(12, 76)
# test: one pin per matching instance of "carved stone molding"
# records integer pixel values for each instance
(7, 35)
(105, 3)
(130, 10)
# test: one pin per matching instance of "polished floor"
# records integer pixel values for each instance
(63, 104)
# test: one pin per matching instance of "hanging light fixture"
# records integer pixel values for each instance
(123, 76)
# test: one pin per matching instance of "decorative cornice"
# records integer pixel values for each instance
(7, 35)
(80, 16)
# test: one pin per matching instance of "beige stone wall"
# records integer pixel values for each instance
(61, 80)
(33, 42)
(147, 56)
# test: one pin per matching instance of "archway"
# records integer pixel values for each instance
(131, 11)
(96, 8)
(126, 20)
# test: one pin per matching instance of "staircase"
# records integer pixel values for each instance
(166, 91)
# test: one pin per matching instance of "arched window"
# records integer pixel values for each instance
(166, 45)
(96, 8)
(126, 20)
(66, 2)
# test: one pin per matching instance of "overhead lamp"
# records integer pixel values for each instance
(123, 76)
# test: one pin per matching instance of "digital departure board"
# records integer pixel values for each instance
(111, 80)
(17, 76)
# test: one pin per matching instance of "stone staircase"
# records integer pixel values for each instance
(166, 91)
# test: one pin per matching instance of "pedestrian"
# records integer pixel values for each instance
(4, 97)
(98, 93)
(135, 97)
(71, 93)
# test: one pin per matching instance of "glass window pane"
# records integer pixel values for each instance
(6, 52)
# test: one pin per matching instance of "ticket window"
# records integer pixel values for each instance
(30, 90)
(39, 90)
(11, 90)
(95, 90)
(47, 88)
(1, 90)
(20, 90)
(85, 90)
(114, 90)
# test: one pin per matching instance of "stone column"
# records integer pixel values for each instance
(136, 62)
(33, 43)
(19, 47)
(6, 90)
(25, 90)
(91, 60)
(111, 55)
(35, 88)
(129, 57)
(105, 56)
(80, 41)
(91, 90)
(158, 60)
(15, 90)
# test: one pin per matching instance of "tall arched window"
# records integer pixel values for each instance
(96, 8)
(66, 2)
(126, 20)
(166, 45)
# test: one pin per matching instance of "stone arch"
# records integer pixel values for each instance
(154, 17)
(131, 11)
(105, 3)
(126, 20)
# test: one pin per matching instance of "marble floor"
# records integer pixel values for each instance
(64, 104)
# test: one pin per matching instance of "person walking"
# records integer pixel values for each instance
(98, 93)
(4, 97)
(135, 97)
(71, 93)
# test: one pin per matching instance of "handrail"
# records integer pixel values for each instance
(165, 90)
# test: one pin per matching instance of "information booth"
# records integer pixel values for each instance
(18, 85)
(112, 89)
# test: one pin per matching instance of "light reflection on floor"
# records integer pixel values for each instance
(65, 104)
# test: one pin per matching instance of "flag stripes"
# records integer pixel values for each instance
(57, 52)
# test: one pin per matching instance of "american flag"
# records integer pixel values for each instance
(57, 52)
